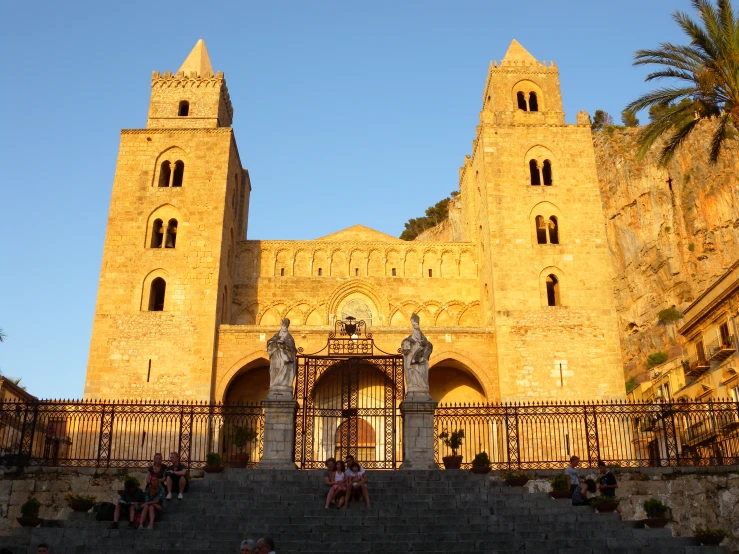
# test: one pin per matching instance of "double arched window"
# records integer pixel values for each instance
(547, 230)
(171, 175)
(163, 237)
(157, 291)
(540, 172)
(527, 102)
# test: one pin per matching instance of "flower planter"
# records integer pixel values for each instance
(30, 521)
(517, 481)
(710, 540)
(81, 506)
(452, 462)
(239, 460)
(481, 470)
(213, 469)
(605, 507)
(560, 495)
(656, 522)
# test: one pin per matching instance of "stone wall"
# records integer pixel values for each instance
(703, 498)
(50, 485)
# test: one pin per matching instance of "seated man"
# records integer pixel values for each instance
(153, 505)
(132, 498)
(178, 478)
(357, 478)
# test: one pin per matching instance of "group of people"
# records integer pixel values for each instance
(580, 487)
(265, 545)
(148, 504)
(343, 482)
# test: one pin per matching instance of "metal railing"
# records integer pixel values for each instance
(721, 348)
(545, 436)
(127, 434)
(697, 365)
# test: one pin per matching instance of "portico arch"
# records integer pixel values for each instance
(245, 381)
(454, 377)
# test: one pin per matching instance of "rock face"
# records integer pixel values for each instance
(672, 232)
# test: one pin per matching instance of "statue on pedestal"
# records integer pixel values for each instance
(416, 351)
(282, 362)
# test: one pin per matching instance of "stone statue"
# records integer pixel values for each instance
(282, 361)
(416, 353)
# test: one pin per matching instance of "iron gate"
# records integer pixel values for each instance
(348, 401)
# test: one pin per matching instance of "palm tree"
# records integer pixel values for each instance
(707, 74)
(2, 335)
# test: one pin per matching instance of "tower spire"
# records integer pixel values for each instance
(517, 53)
(198, 61)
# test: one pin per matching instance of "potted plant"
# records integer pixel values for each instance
(213, 463)
(30, 513)
(605, 504)
(481, 463)
(80, 502)
(708, 536)
(655, 513)
(516, 478)
(560, 487)
(453, 442)
(240, 436)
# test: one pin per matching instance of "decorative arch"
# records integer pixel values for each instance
(545, 210)
(173, 154)
(561, 283)
(454, 357)
(146, 289)
(341, 293)
(524, 101)
(540, 165)
(252, 361)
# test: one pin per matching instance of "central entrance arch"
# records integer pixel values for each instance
(348, 401)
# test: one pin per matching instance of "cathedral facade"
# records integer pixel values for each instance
(518, 303)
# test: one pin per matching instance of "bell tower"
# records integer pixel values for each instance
(531, 201)
(179, 204)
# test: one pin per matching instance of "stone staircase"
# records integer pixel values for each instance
(418, 511)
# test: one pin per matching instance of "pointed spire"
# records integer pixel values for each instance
(517, 53)
(198, 61)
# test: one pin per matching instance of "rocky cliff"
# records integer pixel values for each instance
(672, 231)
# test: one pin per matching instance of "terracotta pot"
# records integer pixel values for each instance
(605, 507)
(239, 460)
(481, 470)
(709, 540)
(517, 481)
(656, 522)
(80, 506)
(452, 462)
(560, 495)
(30, 521)
(213, 469)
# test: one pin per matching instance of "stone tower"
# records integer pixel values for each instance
(179, 202)
(530, 200)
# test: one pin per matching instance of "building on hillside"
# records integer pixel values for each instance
(521, 308)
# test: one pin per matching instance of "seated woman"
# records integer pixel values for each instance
(153, 505)
(328, 478)
(335, 480)
(157, 468)
(356, 484)
(580, 494)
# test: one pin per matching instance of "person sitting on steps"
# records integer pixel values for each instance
(580, 496)
(356, 478)
(157, 468)
(178, 478)
(266, 545)
(132, 498)
(153, 505)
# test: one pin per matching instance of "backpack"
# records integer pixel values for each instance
(104, 511)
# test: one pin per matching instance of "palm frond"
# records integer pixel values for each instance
(719, 137)
(673, 116)
(661, 96)
(676, 140)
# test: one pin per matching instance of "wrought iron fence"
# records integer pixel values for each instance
(127, 434)
(545, 436)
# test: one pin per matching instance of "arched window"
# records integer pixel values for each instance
(184, 108)
(171, 234)
(157, 234)
(165, 173)
(533, 102)
(179, 173)
(156, 295)
(553, 298)
(547, 173)
(553, 231)
(320, 271)
(282, 272)
(534, 171)
(521, 98)
(541, 230)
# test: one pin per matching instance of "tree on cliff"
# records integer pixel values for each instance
(707, 74)
(434, 215)
(2, 336)
(601, 120)
(629, 119)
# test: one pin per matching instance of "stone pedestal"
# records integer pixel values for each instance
(418, 434)
(279, 433)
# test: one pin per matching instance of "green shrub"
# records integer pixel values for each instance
(79, 498)
(668, 229)
(515, 475)
(560, 482)
(631, 384)
(453, 441)
(708, 532)
(691, 246)
(31, 508)
(241, 435)
(481, 460)
(670, 315)
(655, 508)
(656, 358)
(213, 459)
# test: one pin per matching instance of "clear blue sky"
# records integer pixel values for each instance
(345, 113)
